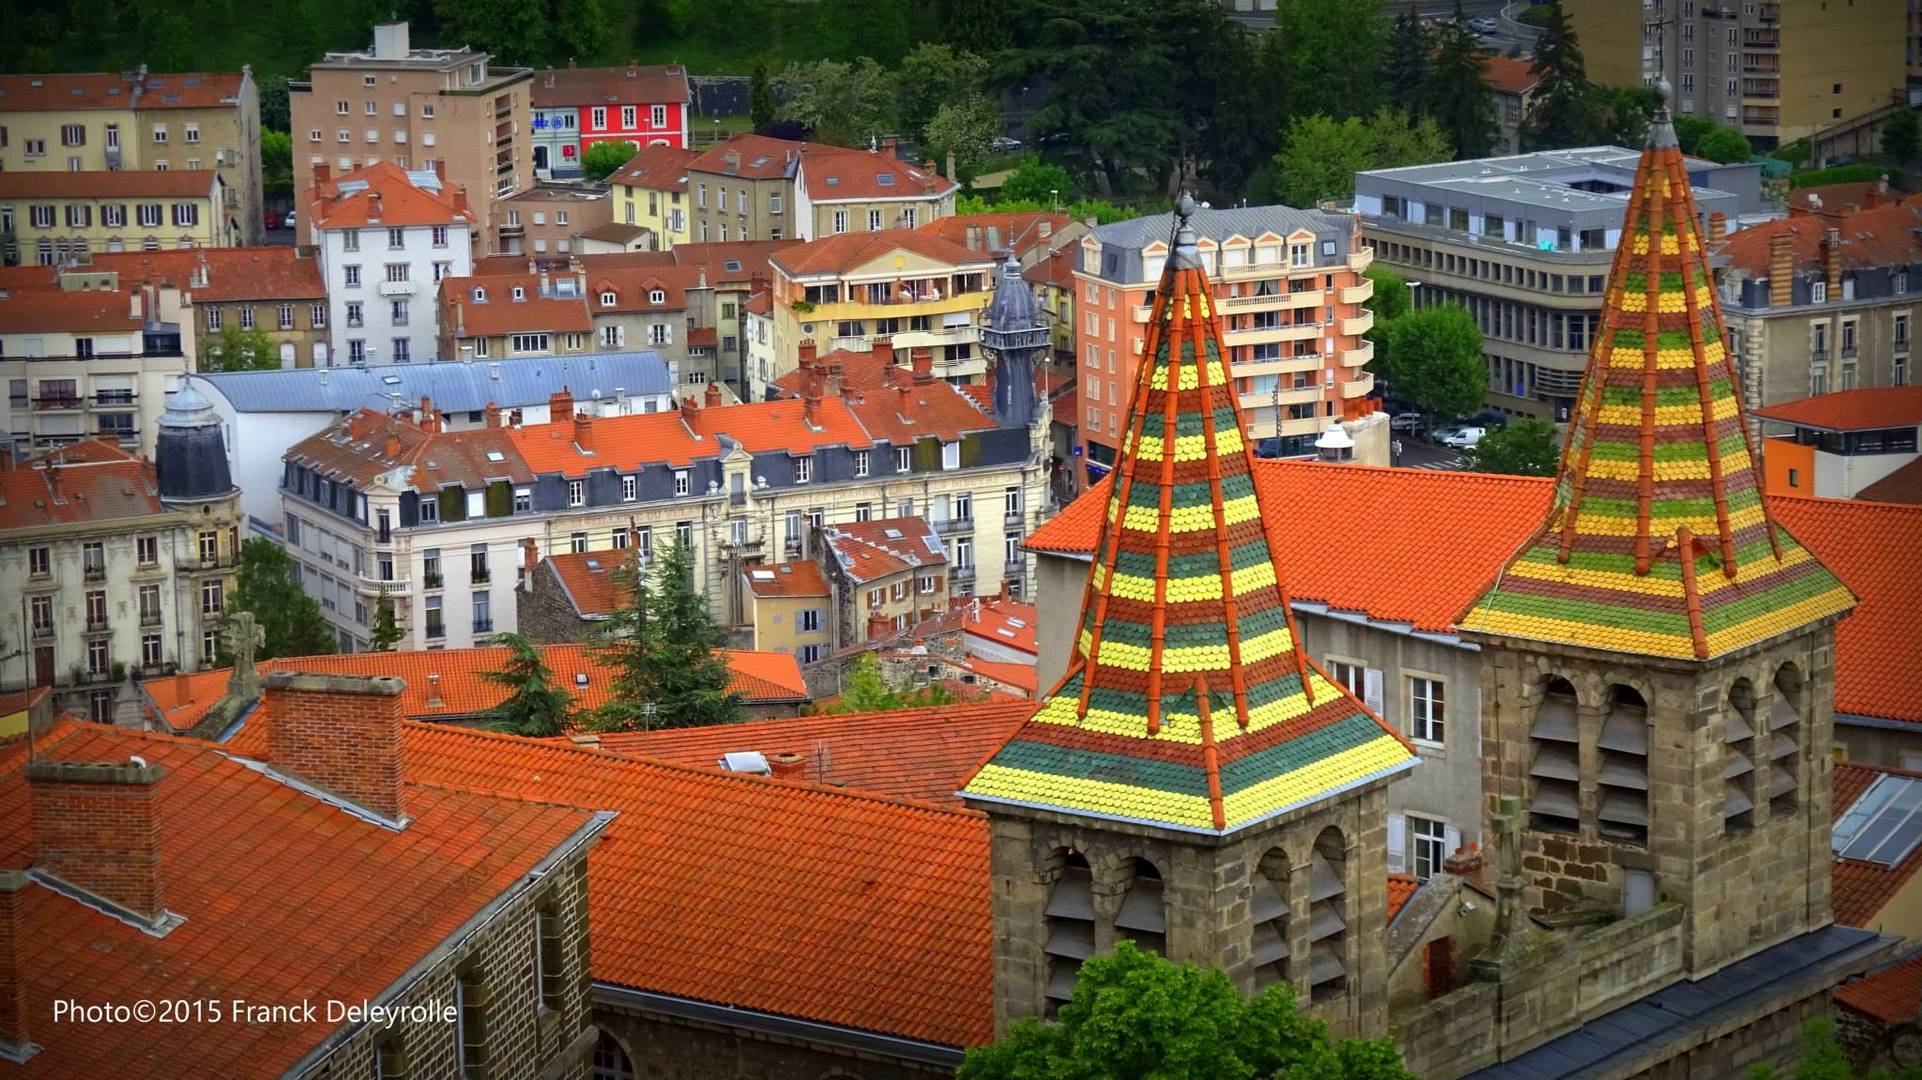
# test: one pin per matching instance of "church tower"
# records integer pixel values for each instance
(1019, 341)
(1194, 783)
(1658, 663)
(190, 457)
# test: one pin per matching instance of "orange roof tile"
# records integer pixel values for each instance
(340, 203)
(789, 579)
(634, 287)
(1021, 676)
(1400, 888)
(756, 157)
(356, 451)
(1009, 623)
(22, 700)
(1841, 199)
(229, 832)
(588, 578)
(1873, 548)
(732, 261)
(908, 410)
(81, 311)
(1889, 995)
(681, 437)
(838, 174)
(1881, 236)
(627, 84)
(912, 753)
(877, 909)
(1508, 75)
(1859, 890)
(108, 184)
(842, 252)
(871, 550)
(256, 273)
(92, 481)
(1852, 410)
(108, 90)
(765, 676)
(500, 313)
(1904, 485)
(1021, 230)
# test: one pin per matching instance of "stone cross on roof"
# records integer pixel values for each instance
(244, 636)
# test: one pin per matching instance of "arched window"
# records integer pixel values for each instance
(1328, 916)
(1070, 915)
(610, 1061)
(1268, 909)
(1623, 811)
(1142, 918)
(1738, 760)
(1554, 770)
(1784, 738)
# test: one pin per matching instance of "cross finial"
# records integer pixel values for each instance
(244, 636)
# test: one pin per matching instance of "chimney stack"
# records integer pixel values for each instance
(1465, 861)
(493, 415)
(322, 174)
(425, 416)
(713, 395)
(393, 447)
(923, 364)
(434, 700)
(1832, 261)
(879, 625)
(788, 766)
(689, 410)
(340, 733)
(1781, 269)
(560, 405)
(584, 431)
(96, 826)
(884, 352)
(1717, 227)
(14, 1029)
(807, 353)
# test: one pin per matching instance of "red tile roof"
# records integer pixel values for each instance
(997, 232)
(80, 311)
(718, 258)
(628, 84)
(1507, 75)
(588, 578)
(1009, 623)
(765, 894)
(105, 90)
(1387, 567)
(1873, 548)
(1852, 410)
(789, 579)
(663, 168)
(1400, 888)
(912, 753)
(1883, 236)
(838, 174)
(633, 287)
(1904, 485)
(765, 677)
(91, 481)
(1860, 890)
(756, 157)
(399, 202)
(228, 834)
(702, 337)
(843, 252)
(679, 438)
(1020, 676)
(500, 313)
(1846, 198)
(871, 550)
(357, 450)
(909, 411)
(109, 184)
(1888, 995)
(257, 273)
(22, 700)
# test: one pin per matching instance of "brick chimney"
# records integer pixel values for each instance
(1781, 269)
(493, 415)
(713, 395)
(1465, 862)
(425, 413)
(689, 410)
(340, 733)
(14, 1029)
(560, 405)
(393, 446)
(884, 352)
(1717, 227)
(879, 625)
(96, 826)
(923, 364)
(787, 766)
(584, 431)
(1832, 261)
(806, 353)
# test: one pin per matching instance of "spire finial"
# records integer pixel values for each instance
(1661, 126)
(1187, 255)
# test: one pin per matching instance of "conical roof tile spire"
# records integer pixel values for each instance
(1658, 541)
(1188, 704)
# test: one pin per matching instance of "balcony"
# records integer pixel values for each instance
(1276, 365)
(115, 397)
(1361, 259)
(1358, 325)
(124, 434)
(479, 577)
(150, 618)
(94, 572)
(1361, 387)
(513, 228)
(961, 575)
(1270, 302)
(44, 631)
(1305, 331)
(55, 402)
(1142, 313)
(1358, 356)
(396, 288)
(99, 625)
(430, 581)
(483, 626)
(435, 628)
(1355, 294)
(948, 526)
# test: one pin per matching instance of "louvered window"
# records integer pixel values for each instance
(1268, 909)
(1328, 917)
(1070, 922)
(1142, 919)
(1738, 758)
(1622, 813)
(1554, 769)
(1784, 739)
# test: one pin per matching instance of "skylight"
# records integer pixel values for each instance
(834, 181)
(886, 179)
(733, 265)
(758, 162)
(496, 455)
(1884, 825)
(390, 380)
(892, 534)
(763, 575)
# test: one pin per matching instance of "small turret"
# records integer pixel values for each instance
(190, 456)
(1018, 340)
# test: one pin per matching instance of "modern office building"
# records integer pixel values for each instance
(1525, 243)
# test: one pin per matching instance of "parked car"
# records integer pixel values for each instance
(288, 221)
(1464, 437)
(1005, 144)
(1409, 422)
(271, 219)
(1482, 26)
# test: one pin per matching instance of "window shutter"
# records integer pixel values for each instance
(620, 335)
(1451, 840)
(1397, 841)
(1371, 691)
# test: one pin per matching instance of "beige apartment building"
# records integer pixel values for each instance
(1776, 70)
(274, 290)
(546, 221)
(141, 121)
(418, 108)
(787, 610)
(49, 218)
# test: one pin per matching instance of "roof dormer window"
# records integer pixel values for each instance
(519, 293)
(657, 296)
(480, 295)
(607, 298)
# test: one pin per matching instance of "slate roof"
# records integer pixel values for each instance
(464, 386)
(1187, 702)
(229, 832)
(1865, 409)
(871, 550)
(1860, 889)
(1220, 224)
(1658, 541)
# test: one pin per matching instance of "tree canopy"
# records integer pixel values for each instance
(535, 705)
(1525, 447)
(1457, 90)
(291, 622)
(867, 690)
(1038, 181)
(1319, 157)
(1136, 1016)
(1726, 145)
(600, 160)
(1393, 298)
(1901, 136)
(1562, 110)
(1433, 357)
(386, 633)
(233, 348)
(664, 648)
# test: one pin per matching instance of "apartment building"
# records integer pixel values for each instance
(276, 291)
(444, 521)
(1511, 83)
(547, 220)
(119, 564)
(1777, 69)
(1844, 444)
(88, 354)
(505, 316)
(650, 192)
(451, 110)
(885, 575)
(915, 288)
(1525, 244)
(141, 121)
(52, 217)
(387, 237)
(574, 108)
(787, 609)
(1819, 302)
(1292, 301)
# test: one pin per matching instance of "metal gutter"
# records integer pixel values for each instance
(766, 1023)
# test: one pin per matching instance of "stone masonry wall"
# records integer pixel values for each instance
(666, 1048)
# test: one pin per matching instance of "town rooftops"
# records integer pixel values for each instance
(845, 252)
(456, 388)
(749, 156)
(125, 90)
(1884, 236)
(513, 303)
(871, 550)
(797, 578)
(836, 174)
(1019, 231)
(368, 447)
(1904, 485)
(1512, 76)
(1878, 822)
(384, 195)
(1008, 623)
(681, 437)
(109, 184)
(662, 168)
(52, 310)
(90, 481)
(1865, 409)
(226, 830)
(217, 275)
(627, 84)
(1219, 226)
(1888, 995)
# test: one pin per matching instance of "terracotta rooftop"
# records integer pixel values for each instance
(588, 577)
(81, 311)
(634, 287)
(871, 550)
(626, 84)
(732, 262)
(1008, 623)
(1846, 198)
(1022, 677)
(912, 753)
(991, 233)
(678, 438)
(1852, 410)
(838, 174)
(1904, 485)
(663, 168)
(797, 578)
(229, 832)
(1860, 889)
(1401, 887)
(1889, 995)
(384, 195)
(108, 90)
(256, 273)
(109, 184)
(1888, 235)
(492, 310)
(913, 410)
(1509, 75)
(368, 446)
(90, 481)
(755, 157)
(844, 252)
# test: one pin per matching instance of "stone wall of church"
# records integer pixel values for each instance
(664, 1048)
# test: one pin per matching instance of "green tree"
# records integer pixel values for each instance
(274, 111)
(1038, 181)
(934, 75)
(1726, 145)
(276, 162)
(1457, 94)
(604, 157)
(1901, 136)
(1824, 1059)
(386, 633)
(579, 27)
(664, 649)
(1433, 357)
(1523, 448)
(760, 96)
(515, 31)
(966, 129)
(843, 104)
(236, 349)
(1393, 298)
(1102, 211)
(1136, 1016)
(535, 705)
(265, 585)
(1335, 56)
(867, 690)
(1320, 156)
(1690, 129)
(1562, 112)
(1620, 114)
(1409, 46)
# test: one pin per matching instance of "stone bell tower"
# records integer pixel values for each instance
(1194, 783)
(1658, 664)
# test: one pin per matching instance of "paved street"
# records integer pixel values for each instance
(1418, 453)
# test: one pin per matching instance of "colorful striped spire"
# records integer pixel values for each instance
(1658, 541)
(1187, 704)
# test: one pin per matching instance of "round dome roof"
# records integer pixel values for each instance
(187, 408)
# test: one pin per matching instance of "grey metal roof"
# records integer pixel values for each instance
(455, 386)
(1218, 225)
(1634, 1032)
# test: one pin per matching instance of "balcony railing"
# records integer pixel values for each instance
(480, 577)
(955, 525)
(435, 629)
(430, 581)
(44, 631)
(94, 572)
(58, 401)
(98, 626)
(483, 626)
(115, 397)
(150, 618)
